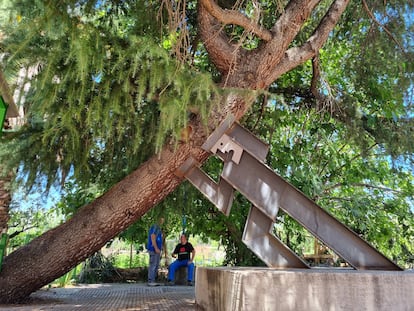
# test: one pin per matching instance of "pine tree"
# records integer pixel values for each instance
(116, 94)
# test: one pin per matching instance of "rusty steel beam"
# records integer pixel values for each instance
(245, 170)
(269, 192)
(220, 194)
(259, 238)
(228, 138)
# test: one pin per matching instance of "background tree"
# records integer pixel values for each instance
(113, 87)
(5, 177)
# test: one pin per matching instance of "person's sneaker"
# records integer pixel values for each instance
(189, 283)
(153, 284)
(170, 283)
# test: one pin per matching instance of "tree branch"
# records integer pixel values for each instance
(5, 92)
(221, 52)
(292, 18)
(296, 56)
(18, 232)
(236, 18)
(371, 15)
(334, 199)
(362, 185)
(315, 76)
(284, 31)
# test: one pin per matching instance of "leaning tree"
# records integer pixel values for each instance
(101, 68)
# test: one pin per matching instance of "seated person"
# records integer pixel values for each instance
(186, 253)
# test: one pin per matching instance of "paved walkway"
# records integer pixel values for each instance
(105, 297)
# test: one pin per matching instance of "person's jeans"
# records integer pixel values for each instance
(154, 262)
(181, 263)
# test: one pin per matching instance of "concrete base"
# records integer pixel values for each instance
(231, 289)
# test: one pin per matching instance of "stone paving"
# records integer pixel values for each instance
(105, 297)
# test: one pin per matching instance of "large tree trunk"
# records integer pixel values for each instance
(57, 251)
(60, 249)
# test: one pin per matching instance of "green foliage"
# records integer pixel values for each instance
(108, 91)
(101, 96)
(124, 260)
(97, 269)
(66, 279)
(25, 224)
(363, 187)
(364, 76)
(76, 196)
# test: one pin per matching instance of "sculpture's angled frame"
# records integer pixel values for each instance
(245, 170)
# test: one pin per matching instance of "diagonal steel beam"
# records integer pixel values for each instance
(257, 233)
(220, 194)
(268, 191)
(259, 238)
(244, 170)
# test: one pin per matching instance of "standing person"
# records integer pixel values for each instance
(186, 253)
(154, 247)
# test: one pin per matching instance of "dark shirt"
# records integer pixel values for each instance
(183, 251)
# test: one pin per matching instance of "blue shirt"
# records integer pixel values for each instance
(155, 229)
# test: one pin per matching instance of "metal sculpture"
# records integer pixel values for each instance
(245, 170)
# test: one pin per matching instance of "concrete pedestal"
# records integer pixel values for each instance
(231, 289)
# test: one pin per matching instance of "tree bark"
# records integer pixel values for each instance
(12, 111)
(60, 249)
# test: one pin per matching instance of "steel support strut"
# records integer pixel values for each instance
(244, 170)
